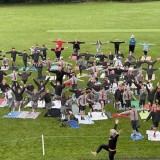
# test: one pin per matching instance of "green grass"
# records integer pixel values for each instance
(25, 25)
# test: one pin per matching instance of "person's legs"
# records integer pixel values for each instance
(102, 146)
(111, 155)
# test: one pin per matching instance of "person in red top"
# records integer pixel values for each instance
(57, 51)
(59, 42)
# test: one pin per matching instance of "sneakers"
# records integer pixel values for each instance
(94, 153)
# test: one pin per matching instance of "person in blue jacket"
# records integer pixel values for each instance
(132, 43)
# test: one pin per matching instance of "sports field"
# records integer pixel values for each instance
(23, 26)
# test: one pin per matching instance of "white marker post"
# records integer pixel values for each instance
(43, 152)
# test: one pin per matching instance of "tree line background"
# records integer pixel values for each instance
(66, 1)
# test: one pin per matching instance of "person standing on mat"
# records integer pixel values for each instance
(73, 80)
(24, 76)
(151, 94)
(14, 76)
(116, 45)
(58, 88)
(13, 53)
(82, 102)
(3, 87)
(142, 97)
(132, 43)
(90, 101)
(47, 97)
(25, 56)
(111, 146)
(119, 97)
(59, 74)
(59, 42)
(29, 88)
(39, 67)
(9, 98)
(41, 85)
(146, 47)
(150, 71)
(76, 45)
(57, 51)
(5, 61)
(34, 99)
(44, 51)
(2, 75)
(18, 97)
(133, 113)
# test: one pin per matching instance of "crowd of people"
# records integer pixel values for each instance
(103, 77)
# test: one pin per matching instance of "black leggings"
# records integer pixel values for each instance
(110, 153)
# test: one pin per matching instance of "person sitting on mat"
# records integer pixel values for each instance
(111, 146)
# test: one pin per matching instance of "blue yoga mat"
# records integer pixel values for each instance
(21, 69)
(54, 68)
(13, 68)
(73, 124)
(14, 114)
(33, 69)
(136, 136)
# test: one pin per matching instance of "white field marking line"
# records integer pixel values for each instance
(102, 30)
(15, 140)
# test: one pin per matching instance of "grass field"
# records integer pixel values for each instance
(25, 25)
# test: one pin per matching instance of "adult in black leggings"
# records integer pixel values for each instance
(111, 146)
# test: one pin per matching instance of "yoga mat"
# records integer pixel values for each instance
(97, 106)
(33, 115)
(14, 114)
(57, 104)
(21, 69)
(75, 109)
(51, 78)
(41, 104)
(97, 116)
(73, 124)
(33, 69)
(151, 137)
(136, 136)
(135, 103)
(13, 68)
(23, 114)
(54, 68)
(144, 115)
(119, 115)
(86, 120)
(4, 69)
(102, 75)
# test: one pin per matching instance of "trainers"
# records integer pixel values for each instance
(94, 153)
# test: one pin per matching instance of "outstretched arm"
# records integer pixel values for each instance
(116, 123)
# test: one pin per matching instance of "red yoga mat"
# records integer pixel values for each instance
(122, 116)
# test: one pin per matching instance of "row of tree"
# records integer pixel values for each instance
(62, 1)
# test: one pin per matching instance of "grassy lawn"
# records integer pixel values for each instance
(23, 26)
